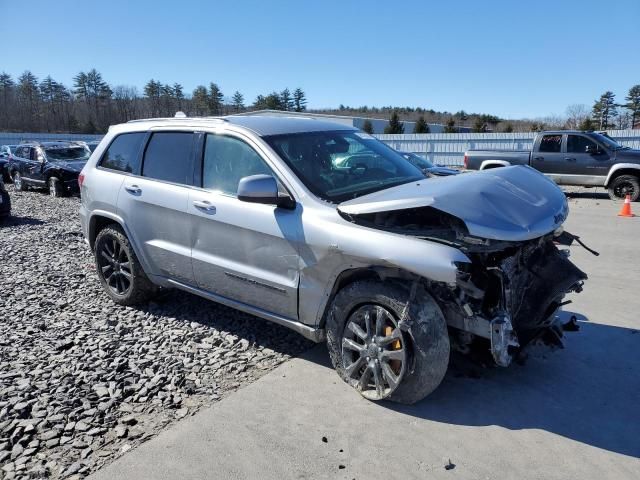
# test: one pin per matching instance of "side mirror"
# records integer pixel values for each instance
(262, 189)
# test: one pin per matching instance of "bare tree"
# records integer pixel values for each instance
(576, 115)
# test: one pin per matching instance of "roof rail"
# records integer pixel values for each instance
(182, 119)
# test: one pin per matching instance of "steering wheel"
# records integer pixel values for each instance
(359, 166)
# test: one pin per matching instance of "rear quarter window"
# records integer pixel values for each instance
(123, 155)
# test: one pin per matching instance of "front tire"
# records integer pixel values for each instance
(55, 187)
(18, 183)
(386, 346)
(118, 268)
(624, 185)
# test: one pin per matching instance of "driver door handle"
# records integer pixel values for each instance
(570, 159)
(538, 158)
(204, 205)
(135, 189)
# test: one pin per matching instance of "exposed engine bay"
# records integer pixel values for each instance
(510, 294)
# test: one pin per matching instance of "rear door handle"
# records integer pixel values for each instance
(135, 189)
(204, 205)
(538, 158)
(570, 159)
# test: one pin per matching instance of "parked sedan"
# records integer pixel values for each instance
(54, 165)
(428, 168)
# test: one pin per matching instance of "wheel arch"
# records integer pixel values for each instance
(352, 275)
(622, 169)
(100, 219)
(487, 164)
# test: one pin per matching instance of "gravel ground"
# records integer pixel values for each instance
(82, 380)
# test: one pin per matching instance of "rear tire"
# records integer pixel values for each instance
(422, 337)
(18, 183)
(55, 187)
(118, 268)
(624, 185)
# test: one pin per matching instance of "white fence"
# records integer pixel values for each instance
(440, 148)
(449, 148)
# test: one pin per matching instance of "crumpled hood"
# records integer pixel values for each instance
(510, 204)
(73, 166)
(442, 171)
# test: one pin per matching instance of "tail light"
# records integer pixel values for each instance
(80, 180)
(466, 161)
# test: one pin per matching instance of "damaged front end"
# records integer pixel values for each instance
(507, 222)
(510, 298)
(507, 297)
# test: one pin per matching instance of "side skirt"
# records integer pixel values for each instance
(314, 334)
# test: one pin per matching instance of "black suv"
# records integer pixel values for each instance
(53, 165)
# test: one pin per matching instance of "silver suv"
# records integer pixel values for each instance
(323, 229)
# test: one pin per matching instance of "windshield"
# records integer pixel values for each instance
(607, 141)
(341, 165)
(67, 153)
(417, 160)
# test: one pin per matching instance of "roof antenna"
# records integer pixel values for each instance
(180, 115)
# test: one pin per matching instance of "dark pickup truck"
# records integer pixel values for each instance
(569, 157)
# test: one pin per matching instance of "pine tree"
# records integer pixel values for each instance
(29, 98)
(7, 86)
(367, 126)
(395, 126)
(178, 95)
(633, 104)
(152, 91)
(299, 100)
(586, 125)
(286, 100)
(508, 128)
(450, 127)
(479, 126)
(421, 125)
(260, 103)
(273, 101)
(200, 100)
(215, 99)
(604, 109)
(238, 101)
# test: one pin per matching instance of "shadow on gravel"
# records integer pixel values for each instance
(14, 221)
(186, 307)
(589, 392)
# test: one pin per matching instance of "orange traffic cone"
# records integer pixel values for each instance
(626, 208)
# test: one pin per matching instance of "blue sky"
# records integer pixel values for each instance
(510, 58)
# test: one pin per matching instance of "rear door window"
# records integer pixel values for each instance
(579, 144)
(123, 155)
(551, 143)
(168, 157)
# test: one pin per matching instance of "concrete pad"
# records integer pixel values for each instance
(573, 413)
